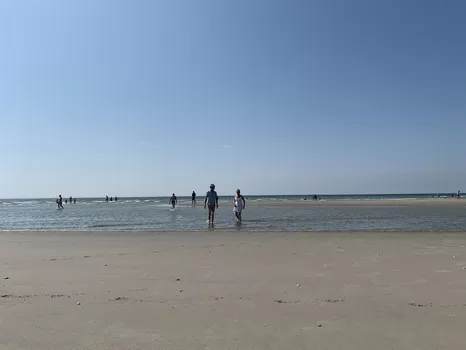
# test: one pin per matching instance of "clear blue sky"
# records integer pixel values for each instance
(152, 97)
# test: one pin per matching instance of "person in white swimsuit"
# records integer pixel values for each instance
(239, 204)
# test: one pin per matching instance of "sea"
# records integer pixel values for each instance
(155, 214)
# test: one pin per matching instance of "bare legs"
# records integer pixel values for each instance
(211, 213)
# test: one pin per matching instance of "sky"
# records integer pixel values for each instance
(148, 97)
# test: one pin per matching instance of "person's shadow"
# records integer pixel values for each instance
(173, 216)
(238, 226)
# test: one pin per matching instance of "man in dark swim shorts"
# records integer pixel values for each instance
(193, 198)
(211, 199)
(173, 201)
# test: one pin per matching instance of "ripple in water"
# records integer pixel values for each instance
(155, 214)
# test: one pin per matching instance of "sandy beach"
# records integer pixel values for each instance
(232, 290)
(363, 203)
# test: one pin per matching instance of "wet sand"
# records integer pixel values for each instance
(232, 290)
(363, 203)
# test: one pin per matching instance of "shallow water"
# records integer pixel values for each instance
(140, 214)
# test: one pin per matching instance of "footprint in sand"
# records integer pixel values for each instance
(351, 287)
(325, 266)
(417, 281)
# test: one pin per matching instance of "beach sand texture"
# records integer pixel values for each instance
(232, 290)
(363, 203)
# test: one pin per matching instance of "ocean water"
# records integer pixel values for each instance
(142, 214)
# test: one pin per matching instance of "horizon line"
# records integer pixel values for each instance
(253, 195)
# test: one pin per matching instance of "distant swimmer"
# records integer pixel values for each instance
(106, 199)
(173, 201)
(211, 200)
(193, 198)
(59, 202)
(239, 204)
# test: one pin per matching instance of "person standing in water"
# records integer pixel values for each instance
(74, 200)
(71, 199)
(173, 201)
(239, 204)
(193, 198)
(211, 199)
(106, 198)
(116, 199)
(59, 202)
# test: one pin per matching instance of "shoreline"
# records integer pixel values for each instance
(228, 230)
(232, 290)
(355, 203)
(341, 202)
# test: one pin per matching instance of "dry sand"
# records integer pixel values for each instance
(232, 290)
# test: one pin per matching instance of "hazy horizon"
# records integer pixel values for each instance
(201, 195)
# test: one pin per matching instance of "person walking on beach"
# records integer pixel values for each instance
(193, 198)
(211, 200)
(59, 202)
(173, 201)
(239, 204)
